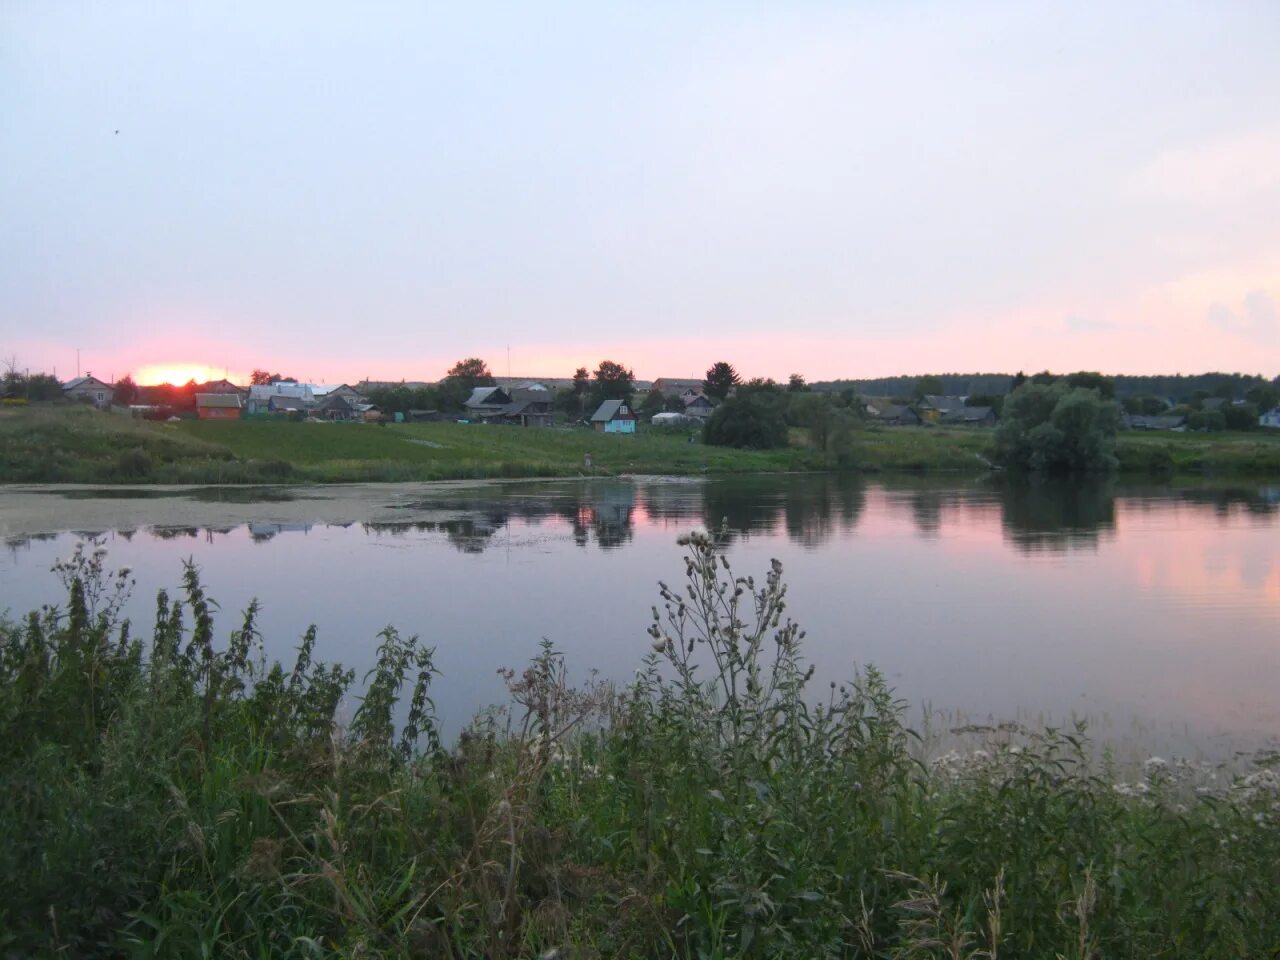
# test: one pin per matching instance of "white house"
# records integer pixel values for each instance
(1270, 419)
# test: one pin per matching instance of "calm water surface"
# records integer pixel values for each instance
(1153, 611)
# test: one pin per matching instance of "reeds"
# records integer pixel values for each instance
(184, 797)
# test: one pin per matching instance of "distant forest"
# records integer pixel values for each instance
(1176, 388)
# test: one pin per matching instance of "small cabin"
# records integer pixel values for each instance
(218, 406)
(88, 389)
(614, 416)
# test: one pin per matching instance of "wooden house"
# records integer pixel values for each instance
(614, 416)
(968, 417)
(698, 405)
(88, 389)
(219, 406)
(335, 406)
(486, 403)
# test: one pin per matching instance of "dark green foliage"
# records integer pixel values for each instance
(749, 420)
(1055, 428)
(654, 402)
(612, 381)
(185, 798)
(720, 380)
(1090, 380)
(1243, 416)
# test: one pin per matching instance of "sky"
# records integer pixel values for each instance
(337, 191)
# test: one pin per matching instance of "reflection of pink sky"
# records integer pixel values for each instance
(1213, 556)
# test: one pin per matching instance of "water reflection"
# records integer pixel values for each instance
(956, 589)
(1035, 516)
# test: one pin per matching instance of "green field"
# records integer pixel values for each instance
(57, 443)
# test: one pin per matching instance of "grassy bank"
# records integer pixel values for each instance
(183, 798)
(70, 444)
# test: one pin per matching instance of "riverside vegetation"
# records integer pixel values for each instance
(180, 797)
(58, 443)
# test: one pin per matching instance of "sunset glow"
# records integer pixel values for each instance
(177, 373)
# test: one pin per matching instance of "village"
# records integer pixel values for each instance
(670, 402)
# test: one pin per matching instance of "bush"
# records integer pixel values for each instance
(1055, 428)
(134, 464)
(749, 421)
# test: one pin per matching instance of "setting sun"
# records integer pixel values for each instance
(177, 373)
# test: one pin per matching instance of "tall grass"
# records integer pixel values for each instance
(179, 797)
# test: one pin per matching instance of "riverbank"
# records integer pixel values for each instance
(66, 444)
(189, 799)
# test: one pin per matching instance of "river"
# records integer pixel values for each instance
(1154, 612)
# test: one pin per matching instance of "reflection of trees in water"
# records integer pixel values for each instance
(1225, 501)
(817, 505)
(743, 506)
(468, 534)
(809, 507)
(603, 512)
(25, 540)
(1057, 515)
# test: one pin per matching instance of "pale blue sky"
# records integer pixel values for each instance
(843, 189)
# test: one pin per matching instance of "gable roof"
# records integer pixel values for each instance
(937, 402)
(609, 410)
(487, 397)
(334, 401)
(88, 380)
(966, 415)
(229, 401)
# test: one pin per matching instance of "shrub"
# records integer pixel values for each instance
(134, 464)
(749, 421)
(1055, 428)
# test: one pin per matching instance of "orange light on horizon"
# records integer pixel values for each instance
(177, 373)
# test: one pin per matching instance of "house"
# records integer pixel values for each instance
(527, 413)
(698, 405)
(881, 411)
(675, 386)
(1270, 419)
(273, 397)
(335, 406)
(88, 389)
(933, 407)
(222, 386)
(218, 406)
(968, 417)
(1136, 421)
(614, 416)
(344, 390)
(486, 403)
(282, 403)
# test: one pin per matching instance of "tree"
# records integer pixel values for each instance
(125, 392)
(1055, 428)
(1243, 416)
(471, 372)
(929, 386)
(612, 381)
(1091, 380)
(721, 378)
(796, 384)
(261, 378)
(654, 401)
(1019, 379)
(1263, 397)
(749, 421)
(463, 377)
